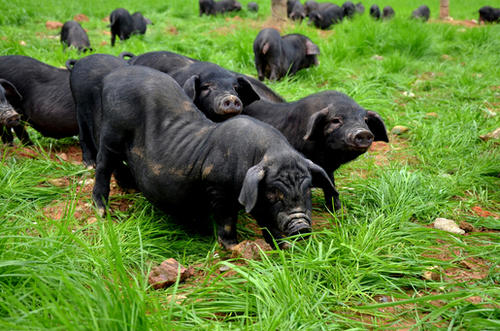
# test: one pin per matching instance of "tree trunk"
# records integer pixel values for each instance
(444, 9)
(278, 10)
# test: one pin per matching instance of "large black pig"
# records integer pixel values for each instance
(422, 13)
(86, 83)
(210, 85)
(73, 35)
(9, 118)
(191, 167)
(47, 104)
(489, 14)
(324, 18)
(327, 127)
(277, 56)
(123, 24)
(140, 23)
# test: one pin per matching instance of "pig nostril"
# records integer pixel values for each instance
(363, 138)
(227, 103)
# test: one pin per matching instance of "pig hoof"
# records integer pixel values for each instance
(228, 244)
(284, 245)
(101, 211)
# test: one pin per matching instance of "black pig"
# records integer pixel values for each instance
(140, 23)
(9, 117)
(180, 160)
(423, 12)
(211, 7)
(253, 6)
(360, 9)
(375, 12)
(47, 104)
(86, 82)
(298, 12)
(277, 56)
(388, 13)
(349, 9)
(489, 14)
(328, 127)
(323, 19)
(73, 35)
(123, 24)
(311, 5)
(210, 84)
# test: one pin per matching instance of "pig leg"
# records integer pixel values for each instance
(113, 39)
(124, 177)
(7, 137)
(23, 135)
(329, 195)
(225, 217)
(89, 151)
(274, 237)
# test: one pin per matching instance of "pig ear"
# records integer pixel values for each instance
(314, 124)
(246, 92)
(376, 125)
(192, 87)
(311, 48)
(265, 48)
(250, 188)
(320, 178)
(11, 93)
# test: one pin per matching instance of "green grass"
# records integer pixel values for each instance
(363, 269)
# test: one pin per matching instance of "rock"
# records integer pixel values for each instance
(53, 25)
(446, 57)
(377, 57)
(59, 182)
(432, 274)
(22, 43)
(224, 268)
(492, 135)
(399, 129)
(467, 227)
(81, 18)
(447, 225)
(431, 115)
(408, 94)
(166, 274)
(249, 249)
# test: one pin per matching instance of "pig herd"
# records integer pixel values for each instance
(196, 139)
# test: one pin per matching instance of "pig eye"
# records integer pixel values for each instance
(337, 120)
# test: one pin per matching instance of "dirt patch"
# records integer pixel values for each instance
(172, 30)
(477, 210)
(81, 18)
(464, 23)
(53, 25)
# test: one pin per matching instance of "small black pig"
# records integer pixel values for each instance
(489, 14)
(328, 127)
(349, 9)
(422, 13)
(191, 167)
(277, 56)
(217, 92)
(388, 13)
(9, 117)
(324, 18)
(311, 5)
(375, 12)
(211, 7)
(360, 8)
(86, 83)
(123, 24)
(253, 6)
(73, 35)
(298, 12)
(47, 104)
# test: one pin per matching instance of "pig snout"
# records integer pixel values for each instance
(230, 105)
(9, 118)
(360, 139)
(295, 222)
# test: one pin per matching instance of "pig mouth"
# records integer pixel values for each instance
(295, 223)
(10, 118)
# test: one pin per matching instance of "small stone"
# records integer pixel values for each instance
(492, 135)
(91, 220)
(22, 43)
(224, 268)
(59, 182)
(249, 250)
(408, 94)
(53, 25)
(431, 115)
(431, 274)
(399, 129)
(446, 57)
(377, 57)
(166, 274)
(447, 225)
(467, 227)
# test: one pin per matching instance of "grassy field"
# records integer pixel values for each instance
(378, 264)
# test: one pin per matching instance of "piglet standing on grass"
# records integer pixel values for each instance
(253, 6)
(324, 18)
(328, 127)
(489, 14)
(73, 35)
(422, 13)
(47, 104)
(123, 24)
(191, 167)
(375, 12)
(277, 56)
(211, 7)
(388, 13)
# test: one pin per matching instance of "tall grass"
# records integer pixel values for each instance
(363, 268)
